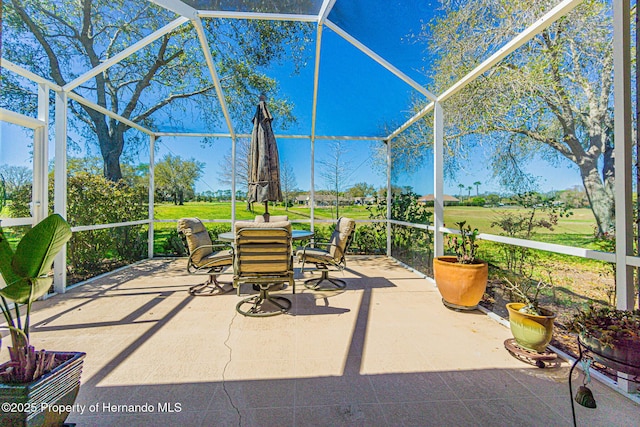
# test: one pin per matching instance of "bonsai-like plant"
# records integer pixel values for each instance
(607, 325)
(522, 291)
(27, 278)
(464, 245)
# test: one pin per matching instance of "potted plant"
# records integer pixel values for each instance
(33, 383)
(531, 325)
(612, 336)
(461, 279)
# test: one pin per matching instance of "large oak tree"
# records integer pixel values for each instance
(551, 98)
(165, 86)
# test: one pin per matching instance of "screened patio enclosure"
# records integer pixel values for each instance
(333, 103)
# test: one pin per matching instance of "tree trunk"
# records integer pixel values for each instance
(111, 145)
(601, 200)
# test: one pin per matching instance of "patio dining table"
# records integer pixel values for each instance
(229, 236)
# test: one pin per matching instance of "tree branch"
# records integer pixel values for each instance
(54, 64)
(557, 145)
(146, 80)
(169, 100)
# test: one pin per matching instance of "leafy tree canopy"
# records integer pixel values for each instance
(165, 84)
(550, 98)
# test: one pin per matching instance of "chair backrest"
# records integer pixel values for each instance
(196, 236)
(262, 248)
(271, 218)
(341, 238)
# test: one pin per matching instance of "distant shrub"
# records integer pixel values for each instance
(478, 201)
(92, 199)
(410, 245)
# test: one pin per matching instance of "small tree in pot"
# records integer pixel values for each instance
(531, 325)
(461, 279)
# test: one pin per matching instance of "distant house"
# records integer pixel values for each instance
(364, 200)
(302, 199)
(322, 200)
(447, 199)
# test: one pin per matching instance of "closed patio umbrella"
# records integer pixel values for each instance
(264, 165)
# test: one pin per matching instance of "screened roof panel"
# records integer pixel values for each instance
(302, 7)
(356, 95)
(61, 20)
(389, 28)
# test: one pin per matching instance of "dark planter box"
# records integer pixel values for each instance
(30, 404)
(623, 356)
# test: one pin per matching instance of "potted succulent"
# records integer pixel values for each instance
(461, 279)
(612, 336)
(530, 324)
(33, 384)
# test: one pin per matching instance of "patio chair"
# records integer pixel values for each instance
(263, 258)
(330, 259)
(205, 257)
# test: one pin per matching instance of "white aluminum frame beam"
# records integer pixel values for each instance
(109, 113)
(20, 119)
(549, 18)
(204, 43)
(314, 110)
(40, 196)
(438, 179)
(622, 129)
(428, 108)
(178, 7)
(279, 136)
(325, 10)
(152, 190)
(389, 198)
(386, 64)
(536, 28)
(8, 65)
(221, 14)
(125, 53)
(60, 185)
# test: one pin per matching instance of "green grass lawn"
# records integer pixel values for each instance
(576, 230)
(222, 210)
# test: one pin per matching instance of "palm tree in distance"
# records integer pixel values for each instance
(461, 187)
(469, 188)
(477, 184)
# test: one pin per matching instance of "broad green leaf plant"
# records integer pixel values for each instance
(26, 275)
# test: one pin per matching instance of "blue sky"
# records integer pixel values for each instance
(357, 97)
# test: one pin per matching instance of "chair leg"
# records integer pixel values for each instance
(259, 307)
(209, 288)
(314, 284)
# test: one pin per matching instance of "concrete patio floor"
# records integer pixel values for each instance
(383, 352)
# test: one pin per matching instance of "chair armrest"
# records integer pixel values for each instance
(318, 242)
(216, 247)
(313, 245)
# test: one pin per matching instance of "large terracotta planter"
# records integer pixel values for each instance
(623, 355)
(32, 404)
(530, 331)
(461, 285)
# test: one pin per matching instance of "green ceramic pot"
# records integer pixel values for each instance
(531, 332)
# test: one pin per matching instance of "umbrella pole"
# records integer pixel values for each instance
(266, 211)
